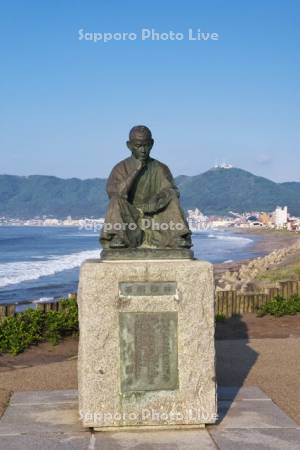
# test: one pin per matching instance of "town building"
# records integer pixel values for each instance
(280, 217)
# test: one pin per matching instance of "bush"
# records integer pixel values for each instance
(61, 323)
(32, 326)
(280, 306)
(220, 317)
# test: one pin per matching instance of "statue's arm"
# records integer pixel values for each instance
(170, 182)
(167, 192)
(119, 182)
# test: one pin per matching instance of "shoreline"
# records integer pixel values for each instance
(270, 241)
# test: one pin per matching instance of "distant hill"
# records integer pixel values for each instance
(39, 195)
(216, 191)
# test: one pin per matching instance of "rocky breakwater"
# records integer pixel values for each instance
(244, 279)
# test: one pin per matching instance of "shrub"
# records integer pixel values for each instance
(280, 306)
(220, 317)
(32, 326)
(63, 322)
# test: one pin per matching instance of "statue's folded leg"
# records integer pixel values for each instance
(121, 224)
(170, 227)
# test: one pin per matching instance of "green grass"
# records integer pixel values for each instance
(33, 326)
(280, 306)
(291, 272)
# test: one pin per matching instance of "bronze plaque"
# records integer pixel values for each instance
(147, 288)
(148, 344)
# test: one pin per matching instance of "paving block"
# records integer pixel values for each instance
(241, 393)
(252, 414)
(46, 442)
(41, 397)
(257, 439)
(153, 440)
(249, 420)
(41, 418)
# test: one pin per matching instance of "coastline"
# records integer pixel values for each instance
(269, 241)
(260, 243)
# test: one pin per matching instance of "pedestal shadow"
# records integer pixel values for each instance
(234, 360)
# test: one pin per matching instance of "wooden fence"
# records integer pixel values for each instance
(231, 303)
(9, 310)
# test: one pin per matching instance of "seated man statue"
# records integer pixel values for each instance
(144, 209)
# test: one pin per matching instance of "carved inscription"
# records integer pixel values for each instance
(147, 288)
(148, 344)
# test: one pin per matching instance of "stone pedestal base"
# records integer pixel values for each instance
(146, 353)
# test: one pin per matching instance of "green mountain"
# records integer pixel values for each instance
(39, 195)
(216, 191)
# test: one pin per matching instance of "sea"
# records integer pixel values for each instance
(42, 263)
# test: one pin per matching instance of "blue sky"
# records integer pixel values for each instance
(67, 105)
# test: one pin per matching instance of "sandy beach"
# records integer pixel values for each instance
(268, 241)
(271, 239)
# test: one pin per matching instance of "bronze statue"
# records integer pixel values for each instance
(144, 209)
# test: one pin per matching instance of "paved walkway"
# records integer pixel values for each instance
(48, 420)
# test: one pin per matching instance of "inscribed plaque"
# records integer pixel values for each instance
(148, 344)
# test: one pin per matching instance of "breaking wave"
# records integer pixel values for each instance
(20, 271)
(238, 239)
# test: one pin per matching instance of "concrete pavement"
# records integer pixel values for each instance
(248, 420)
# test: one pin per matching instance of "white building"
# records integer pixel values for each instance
(223, 165)
(196, 219)
(280, 217)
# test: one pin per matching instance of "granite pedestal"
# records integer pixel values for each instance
(146, 353)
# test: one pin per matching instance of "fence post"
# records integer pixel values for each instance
(7, 311)
(40, 307)
(284, 289)
(238, 303)
(234, 302)
(294, 287)
(242, 303)
(2, 311)
(230, 303)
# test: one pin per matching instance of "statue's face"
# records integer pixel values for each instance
(140, 147)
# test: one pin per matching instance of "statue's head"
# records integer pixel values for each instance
(140, 142)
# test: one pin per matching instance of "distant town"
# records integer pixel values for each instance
(280, 219)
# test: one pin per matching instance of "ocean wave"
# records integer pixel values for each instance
(43, 300)
(231, 238)
(93, 235)
(18, 272)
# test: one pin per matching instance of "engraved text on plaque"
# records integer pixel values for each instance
(147, 288)
(148, 344)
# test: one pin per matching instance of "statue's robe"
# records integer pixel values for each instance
(154, 192)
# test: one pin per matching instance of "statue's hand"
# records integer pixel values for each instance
(140, 164)
(161, 203)
(156, 204)
(163, 199)
(150, 207)
(141, 212)
(124, 187)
